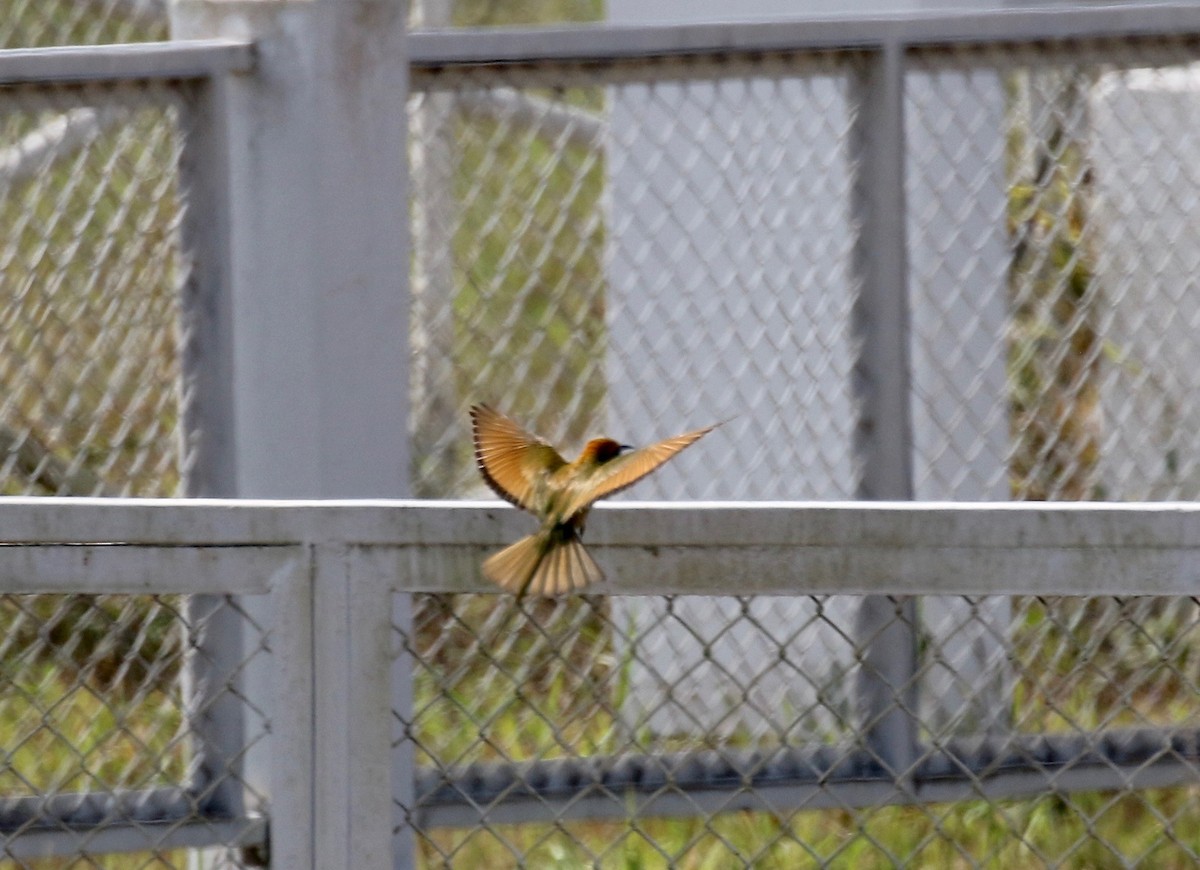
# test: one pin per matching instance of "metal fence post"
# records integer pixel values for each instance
(317, 270)
(885, 627)
(960, 265)
(352, 651)
(218, 716)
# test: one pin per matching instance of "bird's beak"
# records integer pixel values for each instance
(625, 448)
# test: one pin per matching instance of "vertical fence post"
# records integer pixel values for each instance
(216, 714)
(281, 773)
(353, 775)
(317, 326)
(885, 627)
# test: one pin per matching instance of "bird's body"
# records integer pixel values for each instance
(530, 473)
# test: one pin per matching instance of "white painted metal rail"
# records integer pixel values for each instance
(331, 567)
(149, 61)
(647, 548)
(601, 43)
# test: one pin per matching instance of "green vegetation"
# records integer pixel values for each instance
(88, 353)
(490, 13)
(25, 24)
(1080, 830)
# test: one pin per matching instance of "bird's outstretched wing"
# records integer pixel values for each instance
(509, 458)
(628, 469)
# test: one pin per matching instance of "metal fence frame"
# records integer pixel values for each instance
(159, 818)
(331, 569)
(332, 794)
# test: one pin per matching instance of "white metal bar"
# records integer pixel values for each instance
(884, 440)
(319, 260)
(403, 748)
(140, 61)
(432, 50)
(291, 752)
(143, 570)
(653, 547)
(884, 625)
(206, 294)
(353, 712)
(217, 678)
(238, 521)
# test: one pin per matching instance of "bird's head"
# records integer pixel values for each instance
(601, 450)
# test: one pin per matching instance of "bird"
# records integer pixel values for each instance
(528, 472)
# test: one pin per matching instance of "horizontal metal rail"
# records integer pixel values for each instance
(790, 778)
(602, 43)
(145, 569)
(145, 61)
(646, 548)
(83, 809)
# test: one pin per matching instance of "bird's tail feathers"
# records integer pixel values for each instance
(549, 562)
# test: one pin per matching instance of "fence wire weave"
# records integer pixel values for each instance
(552, 277)
(103, 701)
(532, 749)
(642, 248)
(1052, 274)
(637, 248)
(39, 23)
(89, 268)
(103, 710)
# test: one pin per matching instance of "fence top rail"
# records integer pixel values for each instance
(436, 49)
(688, 547)
(142, 61)
(417, 522)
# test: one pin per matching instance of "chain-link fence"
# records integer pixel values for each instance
(588, 240)
(91, 263)
(117, 720)
(534, 750)
(110, 704)
(640, 246)
(645, 245)
(30, 23)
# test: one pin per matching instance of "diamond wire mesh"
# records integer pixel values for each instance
(89, 265)
(38, 23)
(618, 245)
(1053, 272)
(99, 709)
(568, 272)
(1051, 198)
(1104, 692)
(95, 697)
